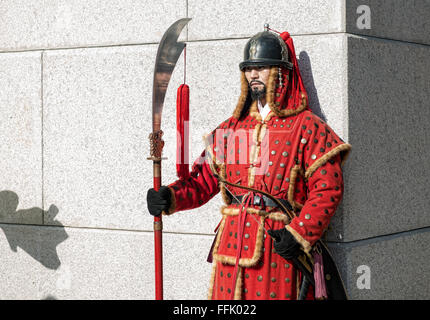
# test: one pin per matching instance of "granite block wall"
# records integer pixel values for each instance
(75, 114)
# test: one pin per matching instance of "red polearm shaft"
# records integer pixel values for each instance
(158, 238)
(156, 149)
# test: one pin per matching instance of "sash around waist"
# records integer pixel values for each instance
(258, 201)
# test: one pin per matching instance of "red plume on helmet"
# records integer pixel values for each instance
(290, 98)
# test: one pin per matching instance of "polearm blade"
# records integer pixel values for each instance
(168, 54)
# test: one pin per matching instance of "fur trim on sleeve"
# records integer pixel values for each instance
(172, 207)
(305, 244)
(344, 148)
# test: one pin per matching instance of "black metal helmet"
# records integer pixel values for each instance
(265, 49)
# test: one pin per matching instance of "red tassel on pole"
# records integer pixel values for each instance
(182, 126)
(320, 287)
(182, 136)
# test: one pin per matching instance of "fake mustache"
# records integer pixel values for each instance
(255, 82)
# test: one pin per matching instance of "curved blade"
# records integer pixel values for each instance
(168, 54)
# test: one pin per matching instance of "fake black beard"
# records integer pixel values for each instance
(257, 94)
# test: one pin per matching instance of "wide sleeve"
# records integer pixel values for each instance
(323, 154)
(325, 191)
(194, 191)
(202, 184)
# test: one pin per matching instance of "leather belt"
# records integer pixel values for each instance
(267, 201)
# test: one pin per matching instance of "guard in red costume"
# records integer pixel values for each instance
(283, 154)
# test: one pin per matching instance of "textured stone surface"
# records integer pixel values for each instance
(398, 266)
(403, 20)
(67, 263)
(235, 19)
(20, 136)
(21, 269)
(388, 129)
(186, 252)
(97, 106)
(38, 24)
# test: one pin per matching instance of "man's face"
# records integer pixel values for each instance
(257, 79)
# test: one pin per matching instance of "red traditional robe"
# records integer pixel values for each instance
(293, 155)
(297, 158)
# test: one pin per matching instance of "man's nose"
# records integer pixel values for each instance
(254, 74)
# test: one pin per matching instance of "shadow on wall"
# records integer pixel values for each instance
(39, 243)
(308, 80)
